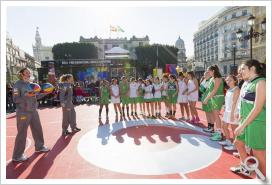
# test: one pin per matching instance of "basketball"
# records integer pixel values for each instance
(47, 88)
(35, 88)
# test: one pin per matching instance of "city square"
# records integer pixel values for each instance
(130, 98)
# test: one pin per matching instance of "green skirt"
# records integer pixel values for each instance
(157, 99)
(171, 98)
(125, 100)
(217, 102)
(134, 100)
(104, 101)
(140, 99)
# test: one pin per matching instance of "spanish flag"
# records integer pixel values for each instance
(113, 28)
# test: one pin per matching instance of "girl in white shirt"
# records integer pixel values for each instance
(115, 97)
(157, 96)
(182, 97)
(148, 97)
(133, 94)
(231, 98)
(193, 96)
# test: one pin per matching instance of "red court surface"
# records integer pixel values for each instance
(132, 149)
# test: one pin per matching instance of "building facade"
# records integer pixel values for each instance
(231, 51)
(259, 46)
(206, 44)
(107, 44)
(17, 59)
(40, 51)
(215, 41)
(181, 53)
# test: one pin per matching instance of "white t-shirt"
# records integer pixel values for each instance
(133, 87)
(148, 92)
(157, 88)
(228, 99)
(182, 86)
(115, 90)
(165, 86)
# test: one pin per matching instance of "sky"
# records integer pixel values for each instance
(59, 24)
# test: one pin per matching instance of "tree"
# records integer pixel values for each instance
(147, 57)
(74, 50)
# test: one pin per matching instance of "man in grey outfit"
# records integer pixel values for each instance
(26, 114)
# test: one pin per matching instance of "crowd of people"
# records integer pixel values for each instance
(242, 103)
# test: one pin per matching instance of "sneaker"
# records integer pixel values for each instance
(230, 147)
(135, 113)
(225, 142)
(236, 154)
(217, 137)
(65, 133)
(44, 149)
(209, 130)
(153, 117)
(20, 159)
(76, 129)
(131, 114)
(240, 170)
(181, 119)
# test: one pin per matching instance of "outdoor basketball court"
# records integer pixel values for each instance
(135, 148)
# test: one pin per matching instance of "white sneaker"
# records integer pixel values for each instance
(230, 147)
(236, 154)
(225, 142)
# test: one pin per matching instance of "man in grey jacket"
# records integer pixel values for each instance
(26, 114)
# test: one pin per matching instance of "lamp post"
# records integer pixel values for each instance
(234, 55)
(68, 56)
(251, 34)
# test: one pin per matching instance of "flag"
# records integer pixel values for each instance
(119, 29)
(113, 28)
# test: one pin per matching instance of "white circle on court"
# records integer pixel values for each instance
(102, 148)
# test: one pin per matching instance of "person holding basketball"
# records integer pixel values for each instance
(26, 114)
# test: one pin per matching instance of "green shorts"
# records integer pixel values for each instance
(171, 98)
(164, 98)
(255, 135)
(140, 99)
(125, 100)
(133, 100)
(148, 100)
(157, 99)
(104, 101)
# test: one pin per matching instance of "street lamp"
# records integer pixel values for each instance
(251, 34)
(234, 55)
(68, 56)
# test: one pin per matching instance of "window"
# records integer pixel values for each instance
(233, 15)
(46, 58)
(225, 69)
(244, 12)
(226, 18)
(115, 45)
(105, 47)
(233, 36)
(125, 46)
(140, 43)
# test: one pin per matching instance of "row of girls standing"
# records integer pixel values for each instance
(244, 111)
(149, 94)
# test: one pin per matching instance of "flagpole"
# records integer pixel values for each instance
(157, 57)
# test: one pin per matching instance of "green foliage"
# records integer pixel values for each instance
(74, 50)
(147, 57)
